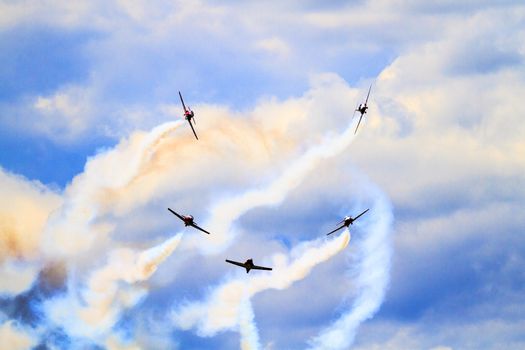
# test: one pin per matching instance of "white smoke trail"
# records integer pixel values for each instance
(70, 229)
(372, 280)
(110, 289)
(227, 211)
(247, 327)
(113, 287)
(222, 308)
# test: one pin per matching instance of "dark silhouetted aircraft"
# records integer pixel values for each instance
(188, 115)
(248, 265)
(188, 221)
(362, 108)
(347, 221)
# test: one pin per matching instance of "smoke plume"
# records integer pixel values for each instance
(227, 211)
(72, 229)
(222, 308)
(372, 270)
(247, 326)
(84, 228)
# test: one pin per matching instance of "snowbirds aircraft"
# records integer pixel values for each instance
(362, 108)
(188, 221)
(188, 115)
(248, 265)
(346, 222)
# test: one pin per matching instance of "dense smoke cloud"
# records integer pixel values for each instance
(105, 277)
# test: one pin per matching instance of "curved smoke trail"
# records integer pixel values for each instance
(85, 197)
(110, 290)
(227, 211)
(373, 269)
(375, 250)
(104, 296)
(223, 215)
(226, 306)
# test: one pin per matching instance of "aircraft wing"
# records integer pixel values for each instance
(181, 100)
(235, 263)
(192, 129)
(368, 95)
(337, 229)
(357, 127)
(255, 267)
(199, 228)
(358, 216)
(177, 215)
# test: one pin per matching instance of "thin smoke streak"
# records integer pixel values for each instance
(373, 269)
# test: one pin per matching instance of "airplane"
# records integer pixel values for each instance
(346, 222)
(248, 265)
(188, 115)
(188, 221)
(362, 108)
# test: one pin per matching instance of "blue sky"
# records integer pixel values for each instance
(91, 150)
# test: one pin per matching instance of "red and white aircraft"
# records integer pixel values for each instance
(188, 221)
(188, 115)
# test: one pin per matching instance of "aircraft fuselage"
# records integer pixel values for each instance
(348, 221)
(188, 115)
(362, 109)
(248, 265)
(188, 220)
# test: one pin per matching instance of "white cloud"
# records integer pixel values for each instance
(482, 334)
(64, 116)
(274, 46)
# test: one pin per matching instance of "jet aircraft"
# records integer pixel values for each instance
(346, 222)
(362, 108)
(188, 221)
(188, 115)
(248, 265)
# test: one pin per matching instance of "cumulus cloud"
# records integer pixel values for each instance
(65, 115)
